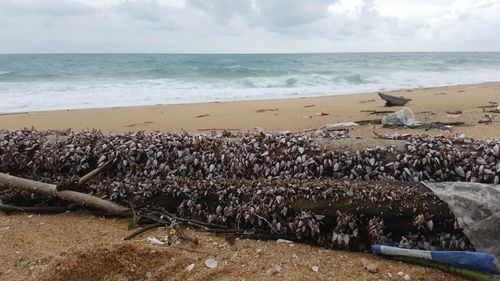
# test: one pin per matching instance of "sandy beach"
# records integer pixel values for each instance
(429, 105)
(58, 247)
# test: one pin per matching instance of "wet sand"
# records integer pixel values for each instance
(429, 105)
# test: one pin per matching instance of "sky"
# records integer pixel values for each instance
(248, 26)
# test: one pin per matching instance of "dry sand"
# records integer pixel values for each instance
(429, 104)
(84, 247)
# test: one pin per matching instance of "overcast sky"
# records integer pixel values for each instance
(248, 26)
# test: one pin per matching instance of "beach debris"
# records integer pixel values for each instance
(309, 116)
(279, 183)
(365, 101)
(149, 274)
(259, 130)
(67, 195)
(403, 117)
(154, 241)
(392, 100)
(490, 105)
(266, 109)
(217, 129)
(274, 270)
(284, 241)
(406, 277)
(190, 267)
(496, 110)
(339, 126)
(211, 263)
(202, 115)
(322, 113)
(378, 111)
(456, 112)
(429, 126)
(315, 268)
(369, 266)
(489, 119)
(368, 121)
(309, 105)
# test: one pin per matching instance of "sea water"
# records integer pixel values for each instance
(30, 82)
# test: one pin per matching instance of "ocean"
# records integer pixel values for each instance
(32, 82)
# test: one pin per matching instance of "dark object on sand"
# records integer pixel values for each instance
(393, 101)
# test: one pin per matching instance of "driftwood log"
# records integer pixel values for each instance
(67, 195)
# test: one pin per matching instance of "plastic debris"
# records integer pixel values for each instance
(403, 117)
(259, 130)
(275, 270)
(190, 267)
(322, 113)
(155, 241)
(341, 125)
(211, 263)
(284, 241)
(140, 240)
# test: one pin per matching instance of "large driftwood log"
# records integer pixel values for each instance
(67, 195)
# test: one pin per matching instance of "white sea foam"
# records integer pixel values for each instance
(33, 92)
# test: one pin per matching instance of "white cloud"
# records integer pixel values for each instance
(248, 25)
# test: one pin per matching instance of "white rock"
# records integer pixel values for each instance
(315, 268)
(190, 267)
(149, 274)
(400, 273)
(211, 263)
(407, 277)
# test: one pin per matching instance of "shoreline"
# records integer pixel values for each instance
(429, 104)
(249, 100)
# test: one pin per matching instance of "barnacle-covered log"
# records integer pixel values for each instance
(303, 188)
(57, 156)
(330, 213)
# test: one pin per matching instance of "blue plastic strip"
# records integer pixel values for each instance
(470, 260)
(481, 262)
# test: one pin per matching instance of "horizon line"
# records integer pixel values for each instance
(231, 53)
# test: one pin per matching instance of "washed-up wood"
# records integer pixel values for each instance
(378, 111)
(67, 195)
(393, 100)
(86, 178)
